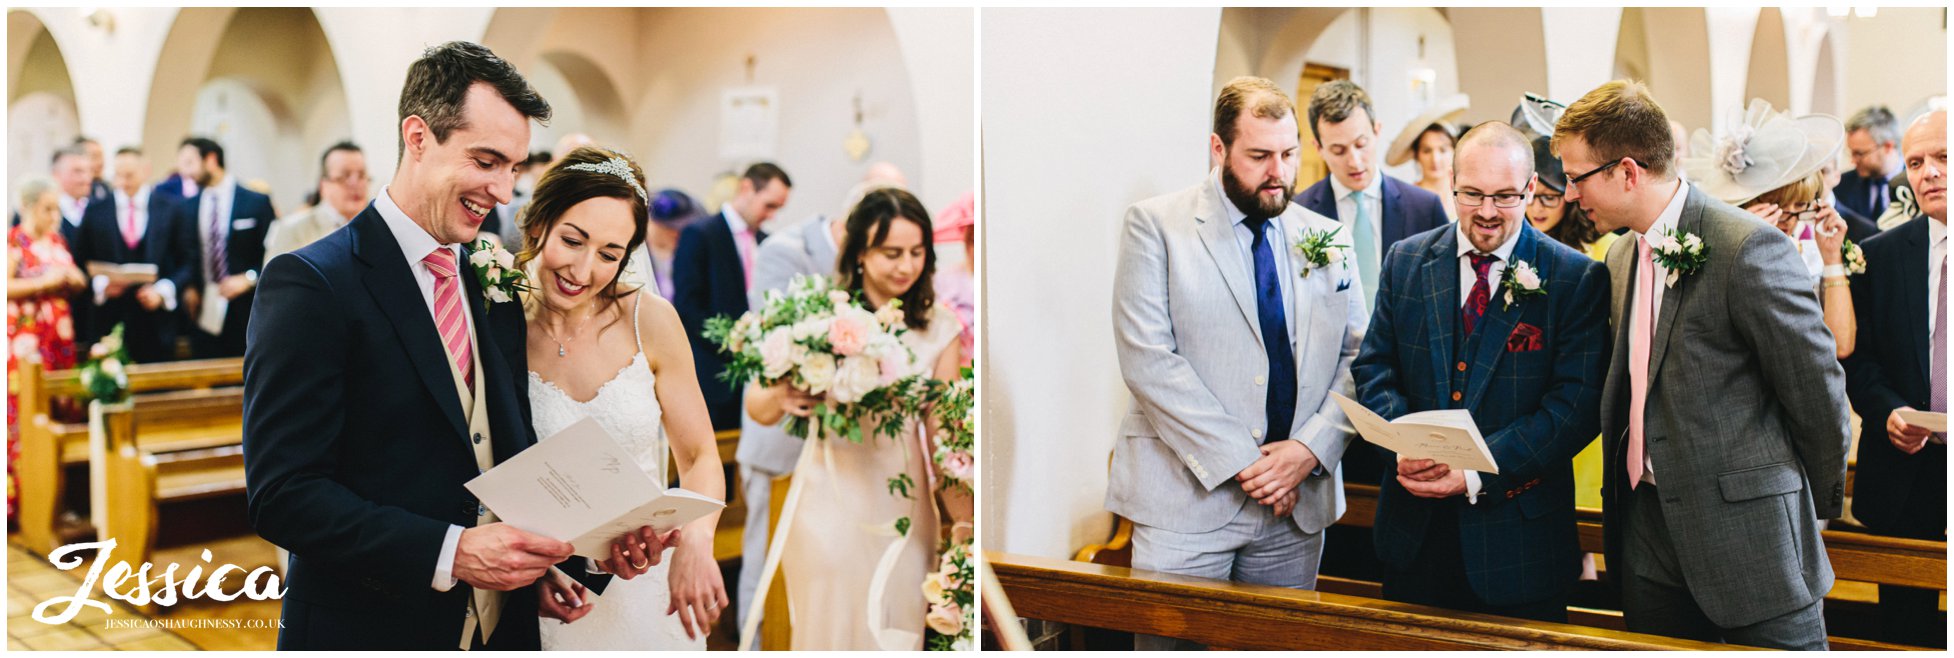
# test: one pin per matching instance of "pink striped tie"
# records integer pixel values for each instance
(448, 310)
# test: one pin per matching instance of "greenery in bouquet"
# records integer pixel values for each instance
(953, 405)
(823, 340)
(952, 598)
(104, 374)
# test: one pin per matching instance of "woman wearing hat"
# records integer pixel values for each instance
(1770, 164)
(1430, 139)
(1559, 220)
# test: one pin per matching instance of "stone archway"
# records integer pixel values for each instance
(42, 115)
(1770, 68)
(1825, 80)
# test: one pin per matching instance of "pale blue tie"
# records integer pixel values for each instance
(1368, 253)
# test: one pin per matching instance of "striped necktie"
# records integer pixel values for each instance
(448, 310)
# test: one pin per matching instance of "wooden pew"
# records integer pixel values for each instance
(1255, 617)
(1855, 555)
(159, 449)
(49, 446)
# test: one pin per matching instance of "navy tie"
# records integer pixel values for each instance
(1281, 403)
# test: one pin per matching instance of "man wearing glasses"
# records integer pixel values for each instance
(1723, 416)
(343, 193)
(1493, 317)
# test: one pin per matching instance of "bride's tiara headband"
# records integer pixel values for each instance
(620, 168)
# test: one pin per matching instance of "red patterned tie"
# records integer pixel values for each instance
(1482, 292)
(449, 310)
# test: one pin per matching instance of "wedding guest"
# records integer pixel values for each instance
(230, 225)
(1429, 139)
(671, 211)
(956, 283)
(1782, 185)
(1553, 215)
(41, 275)
(766, 452)
(1529, 368)
(183, 180)
(73, 182)
(1872, 138)
(1226, 462)
(138, 226)
(343, 190)
(1902, 481)
(98, 189)
(712, 272)
(1375, 211)
(1712, 534)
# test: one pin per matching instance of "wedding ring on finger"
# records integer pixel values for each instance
(641, 567)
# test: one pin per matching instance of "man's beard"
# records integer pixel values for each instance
(1249, 200)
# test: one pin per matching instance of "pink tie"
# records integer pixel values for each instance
(129, 236)
(1640, 333)
(448, 310)
(746, 254)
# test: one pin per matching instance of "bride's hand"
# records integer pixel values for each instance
(637, 552)
(562, 598)
(698, 591)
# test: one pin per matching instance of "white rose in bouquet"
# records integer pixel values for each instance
(818, 372)
(855, 377)
(777, 353)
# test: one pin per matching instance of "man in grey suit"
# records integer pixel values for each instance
(1723, 417)
(1221, 416)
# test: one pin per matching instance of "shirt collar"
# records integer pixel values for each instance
(1672, 213)
(1235, 215)
(141, 200)
(1342, 192)
(415, 242)
(1505, 250)
(1936, 232)
(733, 218)
(224, 189)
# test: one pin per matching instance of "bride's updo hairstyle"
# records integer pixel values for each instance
(868, 227)
(578, 176)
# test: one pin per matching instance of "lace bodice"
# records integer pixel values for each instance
(626, 407)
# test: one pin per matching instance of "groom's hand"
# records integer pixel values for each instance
(561, 598)
(1281, 468)
(500, 557)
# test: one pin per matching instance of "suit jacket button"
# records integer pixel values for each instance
(478, 438)
(1456, 396)
(1462, 366)
(481, 510)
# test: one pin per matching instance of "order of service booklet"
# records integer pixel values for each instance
(1446, 436)
(580, 486)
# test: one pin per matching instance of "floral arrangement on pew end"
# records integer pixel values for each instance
(104, 375)
(952, 617)
(822, 340)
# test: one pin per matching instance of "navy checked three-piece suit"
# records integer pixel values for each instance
(1531, 376)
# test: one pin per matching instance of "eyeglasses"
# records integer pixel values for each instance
(1471, 199)
(1576, 180)
(1547, 200)
(349, 178)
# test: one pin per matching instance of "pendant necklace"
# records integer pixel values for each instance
(560, 352)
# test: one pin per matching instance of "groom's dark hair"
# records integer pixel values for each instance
(438, 82)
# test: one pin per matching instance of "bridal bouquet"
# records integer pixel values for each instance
(952, 618)
(821, 339)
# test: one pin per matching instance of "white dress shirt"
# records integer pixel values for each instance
(1373, 208)
(1664, 222)
(72, 209)
(1503, 255)
(1936, 254)
(124, 207)
(739, 225)
(416, 244)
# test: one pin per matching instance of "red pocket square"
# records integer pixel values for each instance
(1525, 338)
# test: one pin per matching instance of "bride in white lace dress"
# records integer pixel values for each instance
(621, 357)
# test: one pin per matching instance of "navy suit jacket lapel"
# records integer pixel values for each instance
(1320, 199)
(395, 291)
(1390, 221)
(1498, 322)
(1441, 272)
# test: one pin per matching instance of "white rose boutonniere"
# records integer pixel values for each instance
(1318, 249)
(1681, 253)
(1521, 281)
(495, 271)
(1855, 258)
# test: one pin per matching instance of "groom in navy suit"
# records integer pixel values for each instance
(1446, 335)
(1376, 211)
(378, 380)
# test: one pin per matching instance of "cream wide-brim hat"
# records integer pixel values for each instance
(1764, 150)
(1447, 110)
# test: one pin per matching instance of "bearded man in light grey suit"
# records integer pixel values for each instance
(1723, 417)
(1231, 342)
